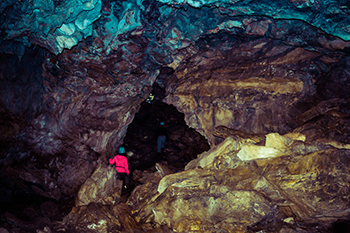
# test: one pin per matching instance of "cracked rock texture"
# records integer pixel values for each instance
(219, 190)
(75, 74)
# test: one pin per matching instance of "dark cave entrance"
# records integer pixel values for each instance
(182, 145)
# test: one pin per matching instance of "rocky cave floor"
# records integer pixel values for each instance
(26, 211)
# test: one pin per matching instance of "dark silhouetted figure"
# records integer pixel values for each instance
(162, 135)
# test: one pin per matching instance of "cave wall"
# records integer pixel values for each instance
(74, 73)
(255, 84)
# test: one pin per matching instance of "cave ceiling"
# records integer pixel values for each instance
(74, 73)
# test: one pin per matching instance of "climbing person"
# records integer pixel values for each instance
(162, 134)
(122, 166)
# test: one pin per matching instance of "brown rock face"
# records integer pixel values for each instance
(82, 113)
(265, 82)
(222, 190)
(102, 187)
(91, 98)
(252, 86)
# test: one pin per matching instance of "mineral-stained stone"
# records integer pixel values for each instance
(102, 187)
(221, 191)
(73, 74)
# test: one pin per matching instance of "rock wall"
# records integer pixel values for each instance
(256, 86)
(304, 185)
(74, 73)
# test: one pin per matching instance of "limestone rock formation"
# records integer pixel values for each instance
(221, 192)
(239, 91)
(102, 187)
(244, 69)
(251, 77)
(55, 24)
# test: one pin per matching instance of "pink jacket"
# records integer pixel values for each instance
(121, 164)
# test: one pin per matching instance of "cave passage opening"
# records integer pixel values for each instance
(182, 145)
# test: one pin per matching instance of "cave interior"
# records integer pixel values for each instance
(255, 96)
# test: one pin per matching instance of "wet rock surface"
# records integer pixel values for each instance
(264, 83)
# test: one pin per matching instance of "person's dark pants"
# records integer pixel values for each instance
(160, 143)
(124, 177)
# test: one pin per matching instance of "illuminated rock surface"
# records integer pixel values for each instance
(263, 86)
(219, 191)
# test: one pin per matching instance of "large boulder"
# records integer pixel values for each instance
(102, 187)
(219, 190)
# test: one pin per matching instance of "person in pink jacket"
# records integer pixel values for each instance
(122, 166)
